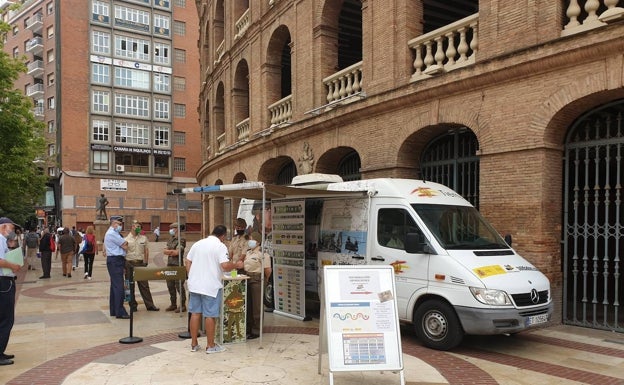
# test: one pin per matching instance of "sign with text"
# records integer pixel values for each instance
(114, 184)
(362, 319)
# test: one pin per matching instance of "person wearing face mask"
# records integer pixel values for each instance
(8, 273)
(174, 251)
(238, 246)
(254, 262)
(138, 255)
(115, 247)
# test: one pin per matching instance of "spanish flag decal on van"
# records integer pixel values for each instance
(424, 192)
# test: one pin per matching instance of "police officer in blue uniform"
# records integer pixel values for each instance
(8, 273)
(115, 246)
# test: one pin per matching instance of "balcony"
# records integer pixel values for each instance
(242, 24)
(35, 91)
(242, 129)
(35, 46)
(35, 24)
(460, 40)
(219, 52)
(35, 69)
(38, 111)
(281, 111)
(344, 84)
(577, 21)
(5, 4)
(221, 143)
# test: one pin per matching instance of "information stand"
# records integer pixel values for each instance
(232, 326)
(361, 319)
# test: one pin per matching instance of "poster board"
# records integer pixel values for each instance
(361, 318)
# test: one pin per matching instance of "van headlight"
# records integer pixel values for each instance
(490, 296)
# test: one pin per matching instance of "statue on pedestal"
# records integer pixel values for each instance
(101, 208)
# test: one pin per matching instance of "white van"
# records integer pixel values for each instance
(455, 275)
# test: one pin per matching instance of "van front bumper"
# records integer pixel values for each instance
(478, 321)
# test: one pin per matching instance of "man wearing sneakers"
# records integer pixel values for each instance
(174, 251)
(205, 264)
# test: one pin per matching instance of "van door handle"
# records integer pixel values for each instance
(358, 257)
(378, 258)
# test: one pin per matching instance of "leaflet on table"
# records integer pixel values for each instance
(13, 256)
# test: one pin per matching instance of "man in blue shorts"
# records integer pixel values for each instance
(205, 264)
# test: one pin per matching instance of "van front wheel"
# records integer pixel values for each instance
(437, 325)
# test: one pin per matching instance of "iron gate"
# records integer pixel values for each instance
(452, 160)
(593, 236)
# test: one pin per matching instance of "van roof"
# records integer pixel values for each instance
(415, 191)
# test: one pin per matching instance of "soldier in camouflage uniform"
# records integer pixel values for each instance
(173, 259)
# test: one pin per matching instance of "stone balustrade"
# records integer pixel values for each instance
(577, 21)
(221, 143)
(445, 49)
(345, 83)
(219, 52)
(242, 129)
(242, 24)
(281, 111)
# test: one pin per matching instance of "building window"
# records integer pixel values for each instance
(51, 171)
(161, 83)
(135, 163)
(50, 32)
(179, 84)
(100, 160)
(161, 109)
(161, 165)
(51, 127)
(180, 55)
(131, 78)
(132, 18)
(15, 52)
(26, 22)
(51, 103)
(101, 11)
(132, 105)
(100, 43)
(161, 53)
(50, 55)
(101, 131)
(51, 150)
(179, 28)
(101, 101)
(179, 138)
(180, 3)
(51, 79)
(50, 8)
(132, 48)
(15, 30)
(179, 110)
(179, 164)
(100, 73)
(161, 136)
(161, 24)
(131, 133)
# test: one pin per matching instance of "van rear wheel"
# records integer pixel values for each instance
(437, 325)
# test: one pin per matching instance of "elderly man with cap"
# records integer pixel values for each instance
(174, 252)
(115, 246)
(8, 271)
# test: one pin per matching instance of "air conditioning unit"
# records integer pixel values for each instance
(120, 168)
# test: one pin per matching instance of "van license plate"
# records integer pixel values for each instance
(537, 319)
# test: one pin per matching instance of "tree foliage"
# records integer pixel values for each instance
(22, 182)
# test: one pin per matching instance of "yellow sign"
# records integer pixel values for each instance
(488, 271)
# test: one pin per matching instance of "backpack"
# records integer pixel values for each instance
(32, 240)
(88, 245)
(52, 244)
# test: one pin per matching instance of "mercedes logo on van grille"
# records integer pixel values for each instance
(534, 296)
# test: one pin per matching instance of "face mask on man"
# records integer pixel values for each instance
(171, 232)
(240, 232)
(252, 243)
(118, 229)
(137, 230)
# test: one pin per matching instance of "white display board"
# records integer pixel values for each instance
(362, 324)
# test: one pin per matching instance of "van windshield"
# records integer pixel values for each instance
(459, 227)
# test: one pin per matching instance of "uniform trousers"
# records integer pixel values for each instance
(115, 265)
(144, 288)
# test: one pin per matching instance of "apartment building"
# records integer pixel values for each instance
(518, 106)
(116, 83)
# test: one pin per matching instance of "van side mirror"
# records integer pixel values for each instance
(508, 239)
(415, 243)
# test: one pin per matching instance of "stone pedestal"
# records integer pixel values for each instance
(101, 226)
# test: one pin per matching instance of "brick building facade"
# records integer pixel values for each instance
(494, 98)
(113, 88)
